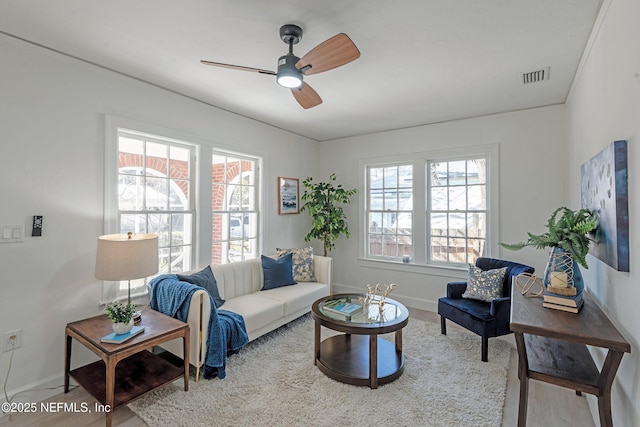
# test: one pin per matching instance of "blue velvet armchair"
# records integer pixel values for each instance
(487, 319)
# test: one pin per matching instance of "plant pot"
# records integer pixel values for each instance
(122, 328)
(563, 270)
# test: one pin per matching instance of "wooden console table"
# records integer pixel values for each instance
(126, 371)
(552, 347)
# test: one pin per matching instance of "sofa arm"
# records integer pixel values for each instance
(456, 289)
(323, 269)
(199, 307)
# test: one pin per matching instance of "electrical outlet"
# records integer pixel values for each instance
(12, 340)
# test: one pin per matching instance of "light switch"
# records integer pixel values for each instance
(12, 233)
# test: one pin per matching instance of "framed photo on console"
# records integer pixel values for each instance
(288, 195)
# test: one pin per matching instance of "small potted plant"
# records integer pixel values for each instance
(121, 315)
(568, 239)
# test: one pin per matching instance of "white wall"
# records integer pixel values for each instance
(532, 173)
(52, 133)
(604, 106)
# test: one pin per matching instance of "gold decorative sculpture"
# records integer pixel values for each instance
(532, 286)
(378, 295)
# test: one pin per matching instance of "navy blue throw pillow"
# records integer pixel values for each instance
(277, 272)
(204, 279)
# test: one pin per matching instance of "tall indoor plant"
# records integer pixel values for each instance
(323, 202)
(567, 236)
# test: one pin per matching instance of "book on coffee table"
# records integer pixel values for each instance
(342, 308)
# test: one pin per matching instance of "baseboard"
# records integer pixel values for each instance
(411, 302)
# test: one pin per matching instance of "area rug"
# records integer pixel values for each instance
(273, 382)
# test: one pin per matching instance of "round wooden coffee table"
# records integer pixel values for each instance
(359, 356)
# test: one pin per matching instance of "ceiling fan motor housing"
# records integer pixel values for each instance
(288, 74)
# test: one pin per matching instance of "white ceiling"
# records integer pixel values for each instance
(422, 61)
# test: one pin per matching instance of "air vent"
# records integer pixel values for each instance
(535, 76)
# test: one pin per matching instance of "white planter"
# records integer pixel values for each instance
(122, 328)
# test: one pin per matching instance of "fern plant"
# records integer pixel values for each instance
(567, 230)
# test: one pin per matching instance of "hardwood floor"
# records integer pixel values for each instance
(549, 405)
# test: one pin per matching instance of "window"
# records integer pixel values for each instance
(154, 195)
(389, 211)
(235, 212)
(152, 177)
(457, 210)
(434, 207)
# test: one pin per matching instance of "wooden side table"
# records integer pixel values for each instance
(552, 347)
(126, 371)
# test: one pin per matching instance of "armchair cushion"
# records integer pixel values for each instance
(484, 285)
(471, 307)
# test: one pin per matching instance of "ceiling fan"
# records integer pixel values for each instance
(332, 53)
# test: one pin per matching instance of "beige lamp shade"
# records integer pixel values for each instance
(126, 256)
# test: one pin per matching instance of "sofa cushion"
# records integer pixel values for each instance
(205, 279)
(256, 310)
(484, 285)
(302, 263)
(298, 297)
(277, 272)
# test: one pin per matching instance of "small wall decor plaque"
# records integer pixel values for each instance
(288, 195)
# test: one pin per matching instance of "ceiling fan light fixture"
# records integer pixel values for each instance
(289, 81)
(288, 75)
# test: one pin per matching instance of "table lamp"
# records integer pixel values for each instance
(127, 257)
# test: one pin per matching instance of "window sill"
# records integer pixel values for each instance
(412, 267)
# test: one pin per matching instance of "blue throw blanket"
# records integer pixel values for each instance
(227, 332)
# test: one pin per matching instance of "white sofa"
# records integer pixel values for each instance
(240, 284)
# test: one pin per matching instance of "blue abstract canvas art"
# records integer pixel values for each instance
(605, 192)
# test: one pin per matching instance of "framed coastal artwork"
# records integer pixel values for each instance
(288, 195)
(605, 192)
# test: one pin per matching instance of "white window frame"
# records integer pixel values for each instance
(385, 211)
(419, 160)
(450, 212)
(252, 234)
(114, 127)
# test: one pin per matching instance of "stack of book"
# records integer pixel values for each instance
(341, 309)
(570, 303)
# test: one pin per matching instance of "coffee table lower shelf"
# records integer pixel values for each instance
(135, 376)
(345, 358)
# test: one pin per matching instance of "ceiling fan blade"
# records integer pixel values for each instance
(238, 67)
(306, 96)
(332, 53)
